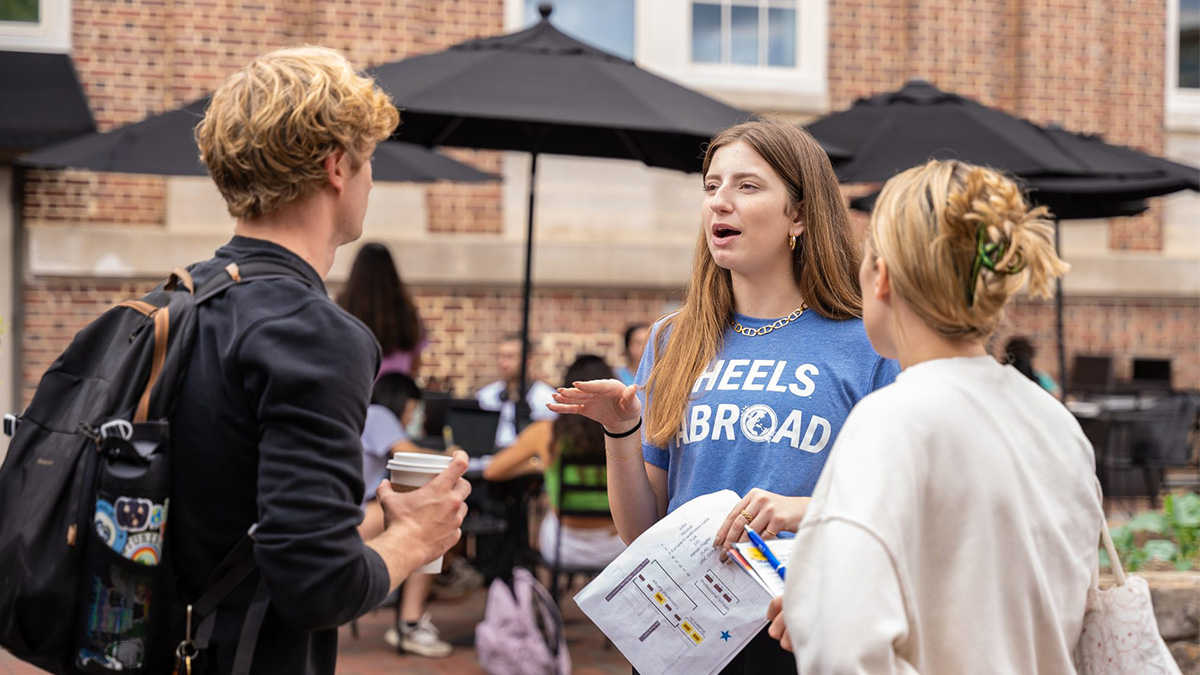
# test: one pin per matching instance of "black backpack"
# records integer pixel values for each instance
(85, 585)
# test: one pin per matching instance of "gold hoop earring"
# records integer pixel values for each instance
(792, 242)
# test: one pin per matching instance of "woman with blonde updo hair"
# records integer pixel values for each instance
(955, 527)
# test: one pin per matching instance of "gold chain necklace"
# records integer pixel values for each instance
(755, 332)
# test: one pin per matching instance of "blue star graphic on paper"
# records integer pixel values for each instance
(725, 635)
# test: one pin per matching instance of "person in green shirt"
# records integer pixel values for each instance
(586, 540)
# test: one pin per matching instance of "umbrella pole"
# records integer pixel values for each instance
(522, 406)
(1058, 319)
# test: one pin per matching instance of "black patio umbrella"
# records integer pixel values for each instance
(1117, 175)
(1112, 181)
(890, 132)
(41, 101)
(540, 91)
(163, 145)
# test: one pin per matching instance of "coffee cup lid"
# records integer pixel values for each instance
(414, 469)
(414, 460)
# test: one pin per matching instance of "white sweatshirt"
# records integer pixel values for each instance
(954, 530)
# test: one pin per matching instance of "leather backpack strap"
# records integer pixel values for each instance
(254, 268)
(180, 275)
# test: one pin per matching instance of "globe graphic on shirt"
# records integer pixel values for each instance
(758, 422)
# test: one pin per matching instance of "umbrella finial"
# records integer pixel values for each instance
(545, 9)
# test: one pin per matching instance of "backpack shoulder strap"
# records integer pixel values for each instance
(232, 570)
(252, 268)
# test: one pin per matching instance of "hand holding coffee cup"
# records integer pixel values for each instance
(425, 498)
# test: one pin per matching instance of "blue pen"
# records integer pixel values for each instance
(766, 551)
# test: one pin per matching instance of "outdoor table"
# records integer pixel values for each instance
(1123, 433)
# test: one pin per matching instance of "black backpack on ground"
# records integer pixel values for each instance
(85, 582)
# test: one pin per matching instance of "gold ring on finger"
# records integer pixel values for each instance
(749, 518)
(770, 532)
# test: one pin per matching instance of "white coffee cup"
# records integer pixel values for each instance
(411, 470)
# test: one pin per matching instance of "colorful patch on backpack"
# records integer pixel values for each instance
(158, 516)
(143, 547)
(133, 513)
(105, 523)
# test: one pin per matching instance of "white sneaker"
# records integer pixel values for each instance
(459, 578)
(421, 639)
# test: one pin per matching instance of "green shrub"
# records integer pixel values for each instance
(1171, 535)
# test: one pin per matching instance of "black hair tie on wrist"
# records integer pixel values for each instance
(623, 434)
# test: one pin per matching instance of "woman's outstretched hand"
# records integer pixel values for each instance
(608, 402)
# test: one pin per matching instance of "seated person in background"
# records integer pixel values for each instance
(635, 344)
(1019, 353)
(586, 540)
(503, 394)
(393, 402)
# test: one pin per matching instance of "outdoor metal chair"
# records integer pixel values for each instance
(393, 601)
(582, 481)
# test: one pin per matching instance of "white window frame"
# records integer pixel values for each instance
(51, 34)
(1182, 105)
(663, 45)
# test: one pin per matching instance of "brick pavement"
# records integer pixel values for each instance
(370, 655)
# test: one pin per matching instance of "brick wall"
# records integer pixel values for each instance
(465, 208)
(56, 309)
(84, 196)
(141, 57)
(1090, 66)
(465, 325)
(1122, 327)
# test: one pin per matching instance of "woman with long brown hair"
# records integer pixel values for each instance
(377, 296)
(748, 384)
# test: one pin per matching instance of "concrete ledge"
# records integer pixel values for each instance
(467, 260)
(1136, 274)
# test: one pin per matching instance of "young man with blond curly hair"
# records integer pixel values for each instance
(267, 426)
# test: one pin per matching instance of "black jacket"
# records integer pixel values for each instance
(267, 430)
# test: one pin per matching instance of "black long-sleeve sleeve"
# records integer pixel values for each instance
(310, 414)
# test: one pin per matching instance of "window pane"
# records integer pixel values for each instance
(607, 24)
(1189, 44)
(706, 33)
(744, 36)
(781, 37)
(19, 10)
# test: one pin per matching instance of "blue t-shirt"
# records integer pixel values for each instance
(767, 410)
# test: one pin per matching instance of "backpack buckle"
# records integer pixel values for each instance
(119, 428)
(10, 424)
